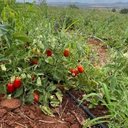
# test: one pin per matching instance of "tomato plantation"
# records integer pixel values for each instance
(48, 54)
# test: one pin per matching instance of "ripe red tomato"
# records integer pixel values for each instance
(34, 61)
(17, 82)
(33, 77)
(10, 88)
(71, 70)
(74, 72)
(66, 52)
(36, 96)
(48, 52)
(80, 68)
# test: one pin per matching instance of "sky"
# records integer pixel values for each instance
(82, 1)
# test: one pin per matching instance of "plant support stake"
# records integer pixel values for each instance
(85, 109)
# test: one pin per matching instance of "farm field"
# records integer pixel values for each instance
(48, 53)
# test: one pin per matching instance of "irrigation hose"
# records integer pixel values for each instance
(85, 109)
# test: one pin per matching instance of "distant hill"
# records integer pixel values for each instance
(87, 5)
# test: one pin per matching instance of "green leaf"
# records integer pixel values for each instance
(41, 45)
(44, 98)
(46, 110)
(2, 58)
(2, 89)
(18, 92)
(21, 37)
(4, 29)
(59, 95)
(29, 98)
(23, 75)
(85, 97)
(3, 68)
(56, 99)
(57, 75)
(106, 93)
(54, 103)
(49, 60)
(38, 82)
(51, 87)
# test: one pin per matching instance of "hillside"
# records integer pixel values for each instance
(88, 5)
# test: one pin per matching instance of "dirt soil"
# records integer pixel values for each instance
(67, 115)
(100, 51)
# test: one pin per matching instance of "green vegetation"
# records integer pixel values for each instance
(124, 11)
(32, 43)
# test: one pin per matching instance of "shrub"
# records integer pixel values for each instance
(124, 11)
(113, 10)
(73, 6)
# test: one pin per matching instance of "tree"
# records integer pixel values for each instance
(113, 10)
(73, 6)
(124, 11)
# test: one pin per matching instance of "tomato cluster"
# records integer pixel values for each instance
(11, 87)
(66, 53)
(49, 52)
(76, 71)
